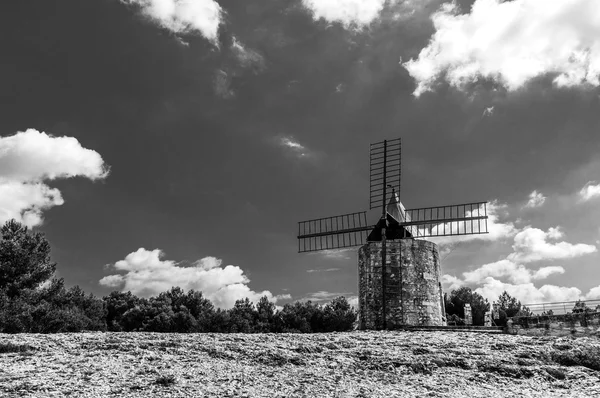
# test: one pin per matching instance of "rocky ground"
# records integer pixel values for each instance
(356, 364)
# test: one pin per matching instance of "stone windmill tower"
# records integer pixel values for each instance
(398, 268)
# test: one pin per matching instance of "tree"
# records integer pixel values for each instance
(219, 321)
(243, 316)
(581, 307)
(302, 317)
(267, 318)
(338, 316)
(117, 304)
(24, 259)
(508, 304)
(455, 304)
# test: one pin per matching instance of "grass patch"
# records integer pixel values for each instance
(6, 348)
(165, 380)
(589, 358)
(556, 373)
(514, 372)
(218, 354)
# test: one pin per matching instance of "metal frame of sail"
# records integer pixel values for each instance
(430, 222)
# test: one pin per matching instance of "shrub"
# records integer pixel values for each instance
(165, 380)
(590, 357)
(10, 348)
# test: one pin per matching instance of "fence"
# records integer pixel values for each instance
(563, 307)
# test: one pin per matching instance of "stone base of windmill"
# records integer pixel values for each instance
(413, 291)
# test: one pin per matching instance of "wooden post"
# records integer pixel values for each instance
(383, 238)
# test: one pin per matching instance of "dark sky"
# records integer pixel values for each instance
(218, 147)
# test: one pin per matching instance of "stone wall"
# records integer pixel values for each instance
(557, 325)
(413, 291)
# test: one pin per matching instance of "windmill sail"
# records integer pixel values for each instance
(352, 229)
(329, 233)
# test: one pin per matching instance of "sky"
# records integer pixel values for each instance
(163, 143)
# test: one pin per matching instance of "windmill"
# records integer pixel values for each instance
(395, 224)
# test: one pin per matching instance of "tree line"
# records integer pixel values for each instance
(33, 301)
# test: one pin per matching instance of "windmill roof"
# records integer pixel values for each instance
(396, 209)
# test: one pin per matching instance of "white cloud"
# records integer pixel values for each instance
(353, 301)
(497, 229)
(536, 199)
(347, 12)
(590, 191)
(489, 111)
(512, 42)
(336, 254)
(531, 244)
(451, 282)
(184, 16)
(291, 144)
(593, 294)
(516, 273)
(222, 84)
(323, 296)
(527, 293)
(295, 147)
(146, 274)
(27, 160)
(310, 271)
(247, 57)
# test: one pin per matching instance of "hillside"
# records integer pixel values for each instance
(356, 364)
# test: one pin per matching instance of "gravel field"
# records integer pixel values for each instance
(354, 364)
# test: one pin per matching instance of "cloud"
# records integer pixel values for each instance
(512, 275)
(527, 293)
(336, 254)
(323, 296)
(294, 147)
(593, 294)
(536, 199)
(322, 270)
(222, 85)
(28, 159)
(451, 282)
(531, 244)
(184, 16)
(353, 301)
(147, 274)
(590, 191)
(489, 111)
(512, 42)
(347, 12)
(497, 229)
(516, 273)
(247, 57)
